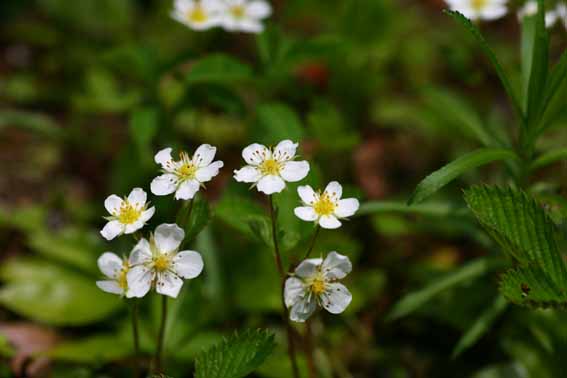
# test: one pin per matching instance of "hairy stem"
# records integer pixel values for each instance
(312, 243)
(310, 349)
(136, 337)
(161, 336)
(290, 344)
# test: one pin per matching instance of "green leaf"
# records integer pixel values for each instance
(6, 350)
(493, 59)
(548, 158)
(143, 126)
(93, 349)
(434, 209)
(555, 96)
(218, 69)
(261, 229)
(50, 294)
(275, 122)
(520, 225)
(443, 176)
(481, 326)
(198, 219)
(413, 301)
(37, 123)
(237, 356)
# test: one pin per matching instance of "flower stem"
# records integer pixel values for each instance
(285, 316)
(136, 337)
(310, 349)
(161, 336)
(312, 243)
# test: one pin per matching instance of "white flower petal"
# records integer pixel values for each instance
(285, 150)
(140, 280)
(329, 222)
(294, 171)
(204, 155)
(112, 204)
(137, 197)
(112, 229)
(305, 213)
(334, 190)
(249, 26)
(255, 153)
(110, 286)
(336, 298)
(133, 227)
(168, 284)
(141, 253)
(188, 264)
(168, 237)
(336, 266)
(259, 9)
(147, 214)
(303, 309)
(247, 174)
(110, 265)
(493, 12)
(164, 159)
(271, 184)
(164, 184)
(307, 194)
(205, 174)
(293, 291)
(307, 268)
(347, 207)
(187, 190)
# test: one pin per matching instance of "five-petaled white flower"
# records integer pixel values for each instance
(245, 15)
(480, 9)
(115, 269)
(158, 264)
(185, 176)
(558, 14)
(198, 14)
(325, 208)
(269, 170)
(315, 283)
(126, 215)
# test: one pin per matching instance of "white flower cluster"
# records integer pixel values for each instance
(231, 15)
(552, 17)
(314, 282)
(479, 9)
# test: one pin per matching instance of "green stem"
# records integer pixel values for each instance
(312, 243)
(289, 330)
(310, 349)
(161, 336)
(136, 337)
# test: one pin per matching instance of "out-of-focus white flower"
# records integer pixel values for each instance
(479, 9)
(558, 14)
(126, 215)
(185, 176)
(158, 264)
(115, 269)
(325, 208)
(269, 170)
(198, 14)
(529, 9)
(315, 283)
(245, 15)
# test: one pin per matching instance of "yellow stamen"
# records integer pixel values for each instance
(270, 167)
(318, 286)
(478, 5)
(128, 213)
(238, 11)
(122, 281)
(197, 15)
(324, 206)
(187, 170)
(162, 262)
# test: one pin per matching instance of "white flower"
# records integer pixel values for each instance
(315, 283)
(559, 14)
(325, 208)
(126, 215)
(114, 268)
(198, 14)
(269, 170)
(158, 264)
(245, 15)
(185, 176)
(529, 9)
(479, 9)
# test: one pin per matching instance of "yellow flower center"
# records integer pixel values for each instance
(162, 262)
(318, 286)
(270, 167)
(122, 281)
(324, 206)
(187, 170)
(478, 5)
(237, 11)
(197, 15)
(128, 213)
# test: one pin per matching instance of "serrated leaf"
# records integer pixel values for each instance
(454, 169)
(520, 225)
(416, 299)
(237, 356)
(219, 69)
(493, 59)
